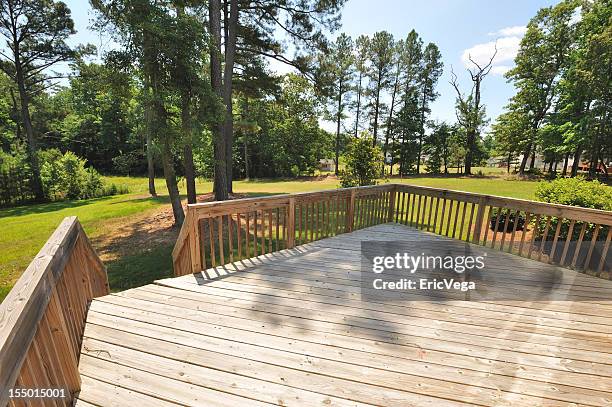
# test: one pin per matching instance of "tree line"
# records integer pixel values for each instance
(189, 92)
(562, 77)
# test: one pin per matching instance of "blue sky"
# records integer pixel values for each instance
(458, 27)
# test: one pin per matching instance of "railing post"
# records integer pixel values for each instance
(351, 211)
(479, 218)
(291, 224)
(194, 240)
(391, 209)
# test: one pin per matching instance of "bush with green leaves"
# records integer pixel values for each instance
(362, 163)
(65, 176)
(575, 192)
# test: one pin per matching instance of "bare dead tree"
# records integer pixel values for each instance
(469, 110)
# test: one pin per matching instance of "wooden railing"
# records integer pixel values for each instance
(43, 317)
(217, 233)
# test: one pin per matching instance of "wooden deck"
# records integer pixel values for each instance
(290, 328)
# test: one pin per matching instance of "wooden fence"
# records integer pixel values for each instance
(217, 233)
(43, 317)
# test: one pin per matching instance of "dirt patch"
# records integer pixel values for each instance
(143, 232)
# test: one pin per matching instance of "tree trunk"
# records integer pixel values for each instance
(421, 135)
(358, 105)
(36, 181)
(576, 163)
(524, 159)
(376, 109)
(188, 149)
(170, 175)
(338, 116)
(564, 173)
(509, 163)
(388, 132)
(219, 144)
(532, 162)
(150, 162)
(230, 53)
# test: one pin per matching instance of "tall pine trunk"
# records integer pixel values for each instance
(219, 143)
(36, 182)
(338, 117)
(188, 148)
(231, 24)
(358, 105)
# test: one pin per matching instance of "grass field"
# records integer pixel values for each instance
(136, 253)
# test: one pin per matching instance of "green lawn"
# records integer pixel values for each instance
(26, 228)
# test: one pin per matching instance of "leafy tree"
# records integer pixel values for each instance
(362, 161)
(542, 55)
(437, 147)
(35, 32)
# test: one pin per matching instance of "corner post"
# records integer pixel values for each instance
(194, 240)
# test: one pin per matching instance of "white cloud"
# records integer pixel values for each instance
(517, 30)
(500, 69)
(507, 46)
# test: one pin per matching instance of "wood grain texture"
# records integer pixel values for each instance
(43, 317)
(293, 328)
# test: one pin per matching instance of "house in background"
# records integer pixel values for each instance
(327, 164)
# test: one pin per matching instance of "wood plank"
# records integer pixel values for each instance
(294, 326)
(131, 353)
(101, 393)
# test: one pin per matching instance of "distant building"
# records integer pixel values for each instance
(327, 164)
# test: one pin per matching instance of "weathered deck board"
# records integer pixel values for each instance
(290, 328)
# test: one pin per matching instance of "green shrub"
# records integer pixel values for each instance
(575, 192)
(362, 163)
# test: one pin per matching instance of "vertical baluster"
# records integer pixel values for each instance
(469, 226)
(247, 237)
(544, 237)
(587, 261)
(456, 219)
(496, 226)
(578, 244)
(536, 229)
(263, 232)
(429, 212)
(604, 254)
(238, 234)
(443, 215)
(517, 216)
(568, 239)
(435, 219)
(300, 225)
(465, 204)
(211, 242)
(555, 239)
(270, 237)
(278, 210)
(220, 236)
(450, 216)
(505, 230)
(487, 225)
(255, 231)
(230, 236)
(525, 227)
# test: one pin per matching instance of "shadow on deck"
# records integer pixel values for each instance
(292, 328)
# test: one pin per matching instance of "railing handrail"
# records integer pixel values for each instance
(592, 215)
(26, 304)
(189, 242)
